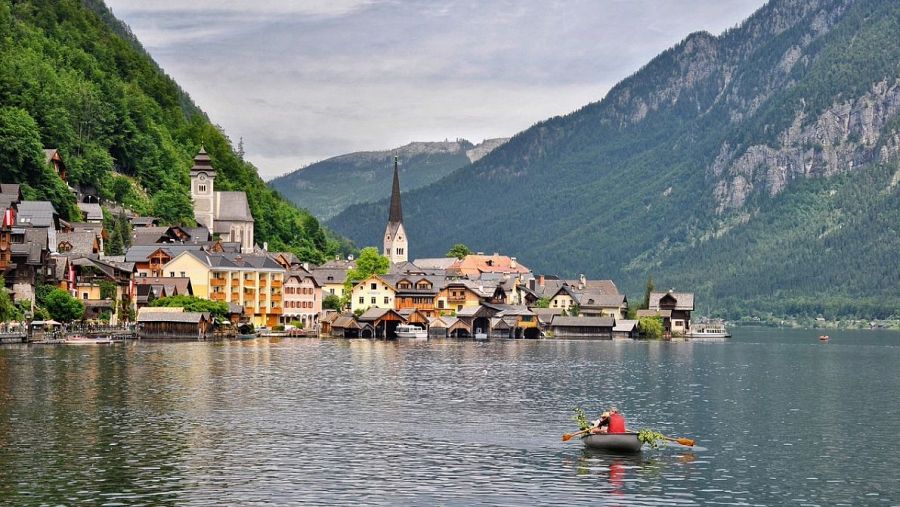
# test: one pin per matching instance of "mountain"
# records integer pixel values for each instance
(73, 77)
(758, 168)
(328, 187)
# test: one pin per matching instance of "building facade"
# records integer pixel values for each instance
(396, 244)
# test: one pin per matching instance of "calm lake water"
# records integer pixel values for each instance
(779, 418)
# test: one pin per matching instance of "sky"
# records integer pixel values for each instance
(302, 81)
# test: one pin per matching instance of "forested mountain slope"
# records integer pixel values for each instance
(328, 187)
(73, 77)
(758, 168)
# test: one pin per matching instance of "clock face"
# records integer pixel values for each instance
(202, 176)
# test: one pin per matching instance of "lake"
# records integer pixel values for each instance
(779, 418)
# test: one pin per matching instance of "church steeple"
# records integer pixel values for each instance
(395, 241)
(396, 213)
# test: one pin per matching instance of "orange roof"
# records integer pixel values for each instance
(477, 264)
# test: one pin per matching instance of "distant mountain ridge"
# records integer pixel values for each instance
(328, 187)
(758, 168)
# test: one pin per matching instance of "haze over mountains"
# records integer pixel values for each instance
(328, 187)
(758, 168)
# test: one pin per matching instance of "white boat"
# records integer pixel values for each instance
(709, 331)
(411, 331)
(480, 335)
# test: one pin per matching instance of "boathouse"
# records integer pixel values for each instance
(174, 325)
(582, 327)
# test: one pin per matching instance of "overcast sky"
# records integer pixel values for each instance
(302, 81)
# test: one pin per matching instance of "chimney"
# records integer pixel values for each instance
(350, 257)
(541, 280)
(532, 283)
(306, 266)
(512, 263)
(265, 246)
(582, 280)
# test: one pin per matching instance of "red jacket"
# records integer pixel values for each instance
(616, 423)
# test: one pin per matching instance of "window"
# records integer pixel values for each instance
(143, 275)
(441, 304)
(84, 295)
(332, 290)
(202, 188)
(182, 274)
(387, 300)
(362, 300)
(373, 286)
(373, 300)
(172, 274)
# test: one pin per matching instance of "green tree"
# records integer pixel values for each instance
(369, 263)
(459, 251)
(107, 289)
(8, 310)
(63, 307)
(649, 288)
(331, 302)
(193, 304)
(651, 328)
(544, 302)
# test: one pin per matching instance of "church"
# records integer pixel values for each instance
(226, 214)
(395, 241)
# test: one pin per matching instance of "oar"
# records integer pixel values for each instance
(568, 436)
(687, 442)
(683, 441)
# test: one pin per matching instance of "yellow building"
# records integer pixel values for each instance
(373, 292)
(459, 294)
(565, 298)
(253, 281)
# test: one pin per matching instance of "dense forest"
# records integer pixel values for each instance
(73, 77)
(758, 168)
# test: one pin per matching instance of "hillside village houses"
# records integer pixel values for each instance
(219, 260)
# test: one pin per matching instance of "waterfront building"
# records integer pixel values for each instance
(105, 287)
(459, 294)
(396, 243)
(596, 304)
(415, 292)
(473, 266)
(675, 308)
(253, 281)
(173, 323)
(302, 298)
(373, 292)
(226, 214)
(149, 289)
(582, 327)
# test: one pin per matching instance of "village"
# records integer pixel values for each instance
(470, 295)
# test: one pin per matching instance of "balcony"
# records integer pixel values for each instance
(235, 296)
(276, 284)
(263, 282)
(218, 282)
(275, 298)
(217, 296)
(249, 283)
(276, 311)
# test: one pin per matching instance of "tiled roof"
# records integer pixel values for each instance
(560, 321)
(594, 298)
(683, 300)
(435, 263)
(625, 325)
(232, 206)
(190, 317)
(373, 314)
(140, 253)
(35, 213)
(654, 313)
(82, 242)
(91, 210)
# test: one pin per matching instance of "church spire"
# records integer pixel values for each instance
(396, 213)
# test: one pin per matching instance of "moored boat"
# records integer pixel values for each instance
(615, 442)
(480, 335)
(824, 338)
(709, 331)
(411, 331)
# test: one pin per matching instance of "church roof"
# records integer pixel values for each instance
(232, 206)
(202, 162)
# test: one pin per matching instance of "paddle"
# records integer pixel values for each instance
(687, 442)
(568, 436)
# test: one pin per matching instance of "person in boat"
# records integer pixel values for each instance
(610, 421)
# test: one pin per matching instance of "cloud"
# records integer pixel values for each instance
(302, 81)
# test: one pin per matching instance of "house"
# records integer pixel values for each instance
(9, 199)
(346, 326)
(373, 292)
(81, 243)
(679, 304)
(565, 298)
(593, 303)
(253, 281)
(472, 266)
(91, 212)
(436, 264)
(30, 260)
(582, 327)
(415, 292)
(149, 260)
(545, 316)
(139, 222)
(332, 275)
(522, 322)
(104, 287)
(226, 214)
(149, 289)
(53, 159)
(302, 298)
(459, 294)
(161, 323)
